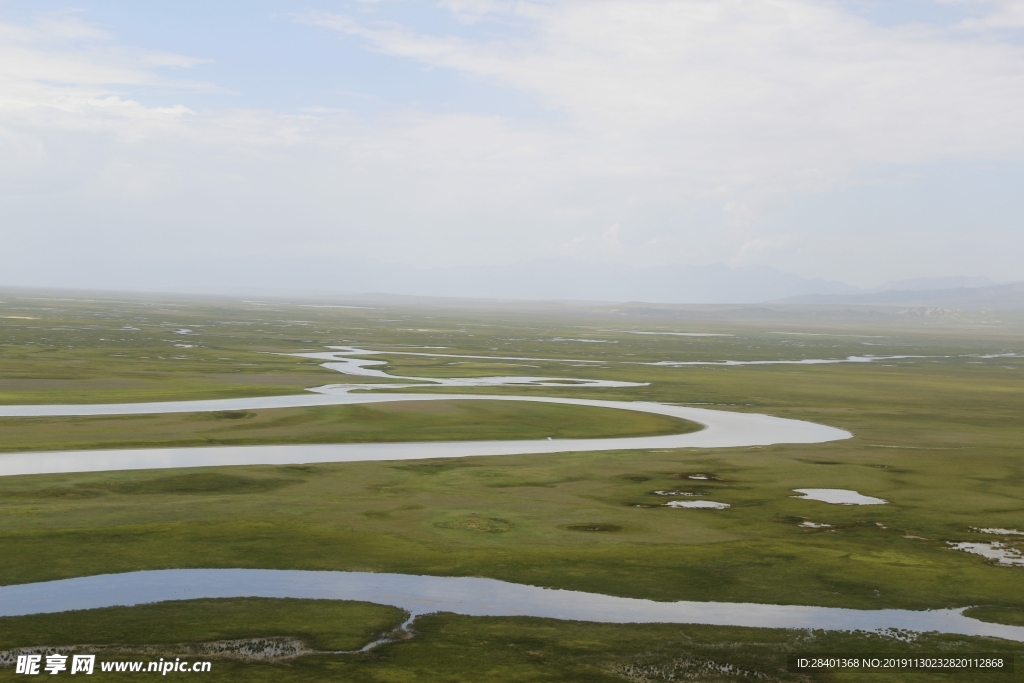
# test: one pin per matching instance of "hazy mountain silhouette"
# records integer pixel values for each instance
(1001, 297)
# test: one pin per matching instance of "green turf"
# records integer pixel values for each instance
(320, 624)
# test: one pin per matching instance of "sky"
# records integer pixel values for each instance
(153, 144)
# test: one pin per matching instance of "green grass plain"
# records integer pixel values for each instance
(393, 421)
(448, 647)
(938, 436)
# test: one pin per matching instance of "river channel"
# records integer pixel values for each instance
(464, 595)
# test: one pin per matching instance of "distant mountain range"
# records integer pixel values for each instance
(554, 279)
(561, 279)
(568, 279)
(924, 284)
(1000, 297)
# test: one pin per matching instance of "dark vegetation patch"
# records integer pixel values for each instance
(433, 467)
(56, 492)
(298, 469)
(636, 478)
(200, 482)
(233, 414)
(594, 527)
(891, 469)
(533, 483)
(190, 483)
(789, 519)
(490, 525)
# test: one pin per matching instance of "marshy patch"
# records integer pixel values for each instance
(642, 505)
(636, 478)
(698, 504)
(697, 476)
(595, 527)
(679, 493)
(998, 531)
(489, 525)
(1004, 554)
(808, 524)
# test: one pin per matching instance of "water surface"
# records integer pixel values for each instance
(464, 595)
(839, 497)
(722, 429)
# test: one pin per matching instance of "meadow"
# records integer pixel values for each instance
(937, 433)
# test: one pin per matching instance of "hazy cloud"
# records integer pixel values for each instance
(647, 114)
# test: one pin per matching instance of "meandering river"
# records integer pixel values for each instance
(425, 594)
(722, 429)
(464, 595)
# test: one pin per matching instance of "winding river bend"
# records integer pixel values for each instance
(464, 595)
(722, 429)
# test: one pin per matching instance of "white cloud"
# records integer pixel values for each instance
(610, 239)
(771, 94)
(658, 111)
(1001, 14)
(753, 250)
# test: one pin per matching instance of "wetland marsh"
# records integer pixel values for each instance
(936, 434)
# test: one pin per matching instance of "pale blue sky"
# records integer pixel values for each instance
(859, 141)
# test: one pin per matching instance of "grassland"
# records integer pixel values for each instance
(397, 421)
(447, 647)
(938, 435)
